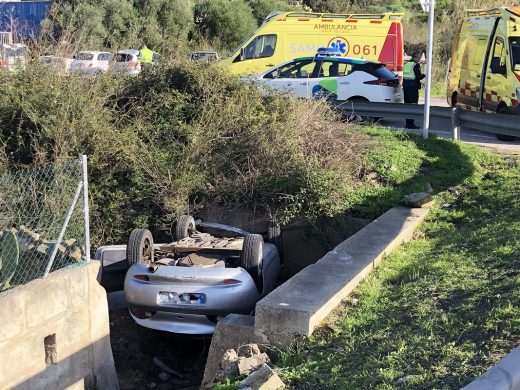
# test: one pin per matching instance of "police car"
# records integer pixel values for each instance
(334, 78)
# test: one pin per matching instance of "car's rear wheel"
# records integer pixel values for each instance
(352, 117)
(504, 137)
(251, 258)
(185, 227)
(274, 235)
(140, 247)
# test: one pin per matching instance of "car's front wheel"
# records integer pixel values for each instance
(140, 247)
(251, 258)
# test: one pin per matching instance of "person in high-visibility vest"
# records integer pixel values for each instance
(145, 55)
(412, 77)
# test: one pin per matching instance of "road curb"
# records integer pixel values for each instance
(505, 375)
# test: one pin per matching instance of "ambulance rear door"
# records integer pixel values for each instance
(496, 75)
(471, 71)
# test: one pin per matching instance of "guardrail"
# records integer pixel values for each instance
(491, 123)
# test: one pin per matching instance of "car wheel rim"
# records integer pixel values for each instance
(147, 250)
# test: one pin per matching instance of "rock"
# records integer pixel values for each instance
(454, 191)
(229, 356)
(419, 199)
(429, 188)
(248, 364)
(405, 379)
(262, 379)
(69, 243)
(43, 249)
(228, 366)
(248, 350)
(75, 254)
(164, 376)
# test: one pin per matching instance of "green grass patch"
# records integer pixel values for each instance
(443, 308)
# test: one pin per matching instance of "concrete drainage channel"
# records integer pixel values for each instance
(290, 311)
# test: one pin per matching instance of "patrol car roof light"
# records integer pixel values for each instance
(328, 51)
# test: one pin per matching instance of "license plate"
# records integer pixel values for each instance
(174, 298)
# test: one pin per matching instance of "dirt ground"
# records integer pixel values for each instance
(135, 347)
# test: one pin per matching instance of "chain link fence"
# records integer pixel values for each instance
(43, 223)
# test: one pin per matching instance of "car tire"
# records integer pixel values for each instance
(353, 118)
(140, 247)
(251, 258)
(185, 227)
(504, 137)
(274, 236)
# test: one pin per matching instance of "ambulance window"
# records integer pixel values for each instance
(261, 47)
(479, 53)
(498, 61)
(515, 53)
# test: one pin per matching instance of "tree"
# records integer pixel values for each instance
(224, 22)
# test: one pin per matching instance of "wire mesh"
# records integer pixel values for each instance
(34, 203)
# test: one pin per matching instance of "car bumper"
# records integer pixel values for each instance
(178, 323)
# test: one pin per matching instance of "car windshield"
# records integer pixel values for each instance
(515, 50)
(123, 57)
(377, 70)
(85, 56)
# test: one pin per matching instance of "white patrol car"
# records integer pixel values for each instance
(334, 78)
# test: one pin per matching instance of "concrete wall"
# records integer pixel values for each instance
(54, 333)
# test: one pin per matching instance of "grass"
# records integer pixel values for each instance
(442, 308)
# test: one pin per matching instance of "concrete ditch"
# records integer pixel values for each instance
(298, 306)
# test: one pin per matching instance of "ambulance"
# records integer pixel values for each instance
(284, 36)
(484, 73)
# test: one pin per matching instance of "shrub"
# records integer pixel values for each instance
(178, 138)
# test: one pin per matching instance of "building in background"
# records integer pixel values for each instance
(22, 18)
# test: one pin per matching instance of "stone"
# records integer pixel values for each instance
(249, 364)
(262, 379)
(75, 254)
(418, 199)
(406, 378)
(249, 350)
(229, 356)
(43, 249)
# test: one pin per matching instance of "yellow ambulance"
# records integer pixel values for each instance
(284, 36)
(484, 73)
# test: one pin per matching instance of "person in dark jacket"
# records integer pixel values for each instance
(412, 77)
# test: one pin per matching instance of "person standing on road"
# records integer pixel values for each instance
(412, 77)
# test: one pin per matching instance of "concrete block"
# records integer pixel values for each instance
(78, 289)
(505, 375)
(45, 299)
(22, 355)
(70, 332)
(299, 305)
(230, 333)
(11, 307)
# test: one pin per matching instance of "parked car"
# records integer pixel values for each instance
(91, 62)
(127, 62)
(12, 56)
(204, 56)
(334, 78)
(59, 64)
(208, 272)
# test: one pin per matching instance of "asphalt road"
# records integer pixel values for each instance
(471, 136)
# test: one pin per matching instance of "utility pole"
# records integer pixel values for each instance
(428, 6)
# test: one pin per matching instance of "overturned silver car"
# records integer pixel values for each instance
(208, 272)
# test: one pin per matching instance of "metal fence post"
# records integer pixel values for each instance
(455, 123)
(86, 211)
(63, 229)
